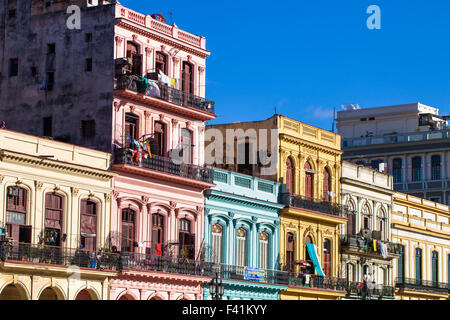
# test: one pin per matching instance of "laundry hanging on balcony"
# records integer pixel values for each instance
(312, 251)
(152, 89)
(141, 149)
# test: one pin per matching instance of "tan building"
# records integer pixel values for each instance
(307, 161)
(422, 228)
(55, 210)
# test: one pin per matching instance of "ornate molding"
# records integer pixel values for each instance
(134, 37)
(148, 50)
(38, 185)
(132, 108)
(75, 191)
(147, 114)
(174, 122)
(119, 39)
(201, 69)
(145, 199)
(18, 182)
(108, 197)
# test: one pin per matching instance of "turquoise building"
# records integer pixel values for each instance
(242, 236)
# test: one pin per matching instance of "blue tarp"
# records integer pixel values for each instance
(313, 255)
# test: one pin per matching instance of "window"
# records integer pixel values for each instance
(13, 67)
(53, 218)
(51, 48)
(131, 128)
(217, 243)
(161, 62)
(11, 13)
(351, 222)
(89, 64)
(366, 216)
(241, 247)
(264, 250)
(87, 128)
(401, 264)
(128, 229)
(88, 225)
(186, 239)
(134, 58)
(88, 37)
(326, 185)
(16, 211)
(49, 80)
(158, 233)
(350, 272)
(381, 217)
(160, 139)
(327, 257)
(187, 145)
(289, 175)
(416, 174)
(418, 266)
(187, 78)
(290, 244)
(48, 132)
(309, 181)
(434, 268)
(436, 167)
(397, 164)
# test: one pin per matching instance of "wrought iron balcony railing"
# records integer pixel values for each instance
(422, 285)
(24, 252)
(164, 92)
(361, 243)
(205, 174)
(327, 207)
(313, 281)
(370, 291)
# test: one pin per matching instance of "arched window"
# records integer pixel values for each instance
(134, 58)
(289, 175)
(416, 174)
(434, 268)
(418, 266)
(158, 233)
(217, 232)
(161, 62)
(401, 264)
(327, 257)
(351, 222)
(309, 181)
(381, 221)
(186, 239)
(436, 167)
(128, 230)
(290, 244)
(310, 269)
(326, 185)
(187, 78)
(88, 225)
(53, 218)
(350, 272)
(263, 250)
(159, 138)
(366, 216)
(397, 164)
(187, 145)
(16, 214)
(241, 247)
(131, 128)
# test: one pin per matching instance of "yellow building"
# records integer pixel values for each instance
(422, 229)
(54, 213)
(308, 162)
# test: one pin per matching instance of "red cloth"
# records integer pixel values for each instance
(158, 247)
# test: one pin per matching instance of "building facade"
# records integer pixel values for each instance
(421, 228)
(55, 211)
(242, 232)
(367, 253)
(412, 141)
(307, 161)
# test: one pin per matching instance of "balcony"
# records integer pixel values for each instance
(422, 285)
(327, 207)
(162, 91)
(362, 244)
(371, 291)
(39, 254)
(162, 164)
(317, 282)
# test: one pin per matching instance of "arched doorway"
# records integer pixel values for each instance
(84, 295)
(49, 294)
(13, 292)
(126, 297)
(309, 269)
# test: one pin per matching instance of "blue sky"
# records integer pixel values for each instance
(307, 57)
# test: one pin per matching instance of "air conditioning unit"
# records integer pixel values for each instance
(366, 233)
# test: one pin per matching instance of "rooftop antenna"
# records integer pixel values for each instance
(334, 119)
(275, 109)
(171, 17)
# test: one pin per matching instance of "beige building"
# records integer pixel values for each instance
(422, 228)
(54, 211)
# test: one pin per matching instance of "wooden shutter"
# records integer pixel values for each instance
(88, 224)
(187, 78)
(326, 187)
(289, 175)
(308, 182)
(159, 135)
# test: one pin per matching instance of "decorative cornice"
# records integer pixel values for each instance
(312, 145)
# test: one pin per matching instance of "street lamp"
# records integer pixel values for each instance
(216, 288)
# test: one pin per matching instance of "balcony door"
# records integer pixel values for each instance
(187, 145)
(290, 244)
(128, 230)
(308, 182)
(88, 225)
(16, 213)
(418, 266)
(53, 218)
(217, 232)
(157, 234)
(434, 268)
(187, 80)
(326, 185)
(131, 128)
(134, 58)
(310, 269)
(327, 257)
(186, 239)
(161, 62)
(159, 137)
(289, 175)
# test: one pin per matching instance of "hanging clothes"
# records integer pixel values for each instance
(131, 141)
(158, 249)
(152, 90)
(374, 245)
(312, 251)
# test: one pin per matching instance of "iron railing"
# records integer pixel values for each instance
(327, 207)
(375, 291)
(205, 174)
(23, 252)
(166, 93)
(361, 243)
(422, 285)
(313, 281)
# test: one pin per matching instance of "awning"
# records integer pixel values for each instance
(312, 251)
